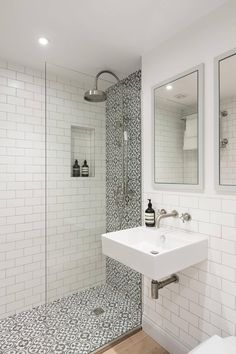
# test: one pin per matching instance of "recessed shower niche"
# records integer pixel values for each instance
(83, 148)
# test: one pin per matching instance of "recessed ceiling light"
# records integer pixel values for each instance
(169, 87)
(43, 41)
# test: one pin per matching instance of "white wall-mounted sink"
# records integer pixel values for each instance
(156, 253)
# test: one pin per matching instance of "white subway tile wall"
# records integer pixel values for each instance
(169, 138)
(204, 301)
(172, 163)
(21, 188)
(76, 208)
(228, 131)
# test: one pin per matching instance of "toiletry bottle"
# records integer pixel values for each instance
(85, 169)
(149, 215)
(76, 169)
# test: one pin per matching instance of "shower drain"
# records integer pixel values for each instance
(98, 311)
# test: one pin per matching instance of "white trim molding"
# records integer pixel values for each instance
(181, 186)
(172, 345)
(220, 188)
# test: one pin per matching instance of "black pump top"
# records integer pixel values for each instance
(149, 203)
(85, 163)
(76, 164)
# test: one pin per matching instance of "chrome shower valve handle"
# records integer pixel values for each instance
(185, 217)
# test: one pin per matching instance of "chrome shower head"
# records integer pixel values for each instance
(96, 95)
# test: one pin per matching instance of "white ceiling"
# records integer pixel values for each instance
(89, 35)
(185, 85)
(227, 77)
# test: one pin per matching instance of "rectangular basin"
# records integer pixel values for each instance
(155, 253)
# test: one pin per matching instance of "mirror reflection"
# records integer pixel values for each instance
(176, 131)
(227, 120)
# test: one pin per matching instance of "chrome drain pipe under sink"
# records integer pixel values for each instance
(157, 285)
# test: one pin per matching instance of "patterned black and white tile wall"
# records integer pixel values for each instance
(123, 113)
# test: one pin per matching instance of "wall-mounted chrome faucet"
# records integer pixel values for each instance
(164, 215)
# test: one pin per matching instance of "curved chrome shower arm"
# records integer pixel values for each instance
(104, 72)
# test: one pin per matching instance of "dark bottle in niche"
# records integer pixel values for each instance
(85, 169)
(76, 169)
(149, 215)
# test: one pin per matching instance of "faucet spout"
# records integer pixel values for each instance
(173, 214)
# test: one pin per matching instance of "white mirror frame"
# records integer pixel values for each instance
(179, 186)
(220, 188)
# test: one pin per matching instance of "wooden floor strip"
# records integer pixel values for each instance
(139, 343)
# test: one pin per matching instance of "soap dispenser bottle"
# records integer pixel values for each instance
(149, 215)
(85, 169)
(76, 169)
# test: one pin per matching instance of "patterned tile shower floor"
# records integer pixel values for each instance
(70, 325)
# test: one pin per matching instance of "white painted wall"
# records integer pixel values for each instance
(203, 303)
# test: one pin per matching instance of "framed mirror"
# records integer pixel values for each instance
(178, 131)
(225, 121)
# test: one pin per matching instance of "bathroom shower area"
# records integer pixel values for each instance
(70, 171)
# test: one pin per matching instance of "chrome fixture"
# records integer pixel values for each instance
(95, 95)
(161, 211)
(164, 215)
(185, 217)
(98, 311)
(224, 142)
(224, 114)
(157, 285)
